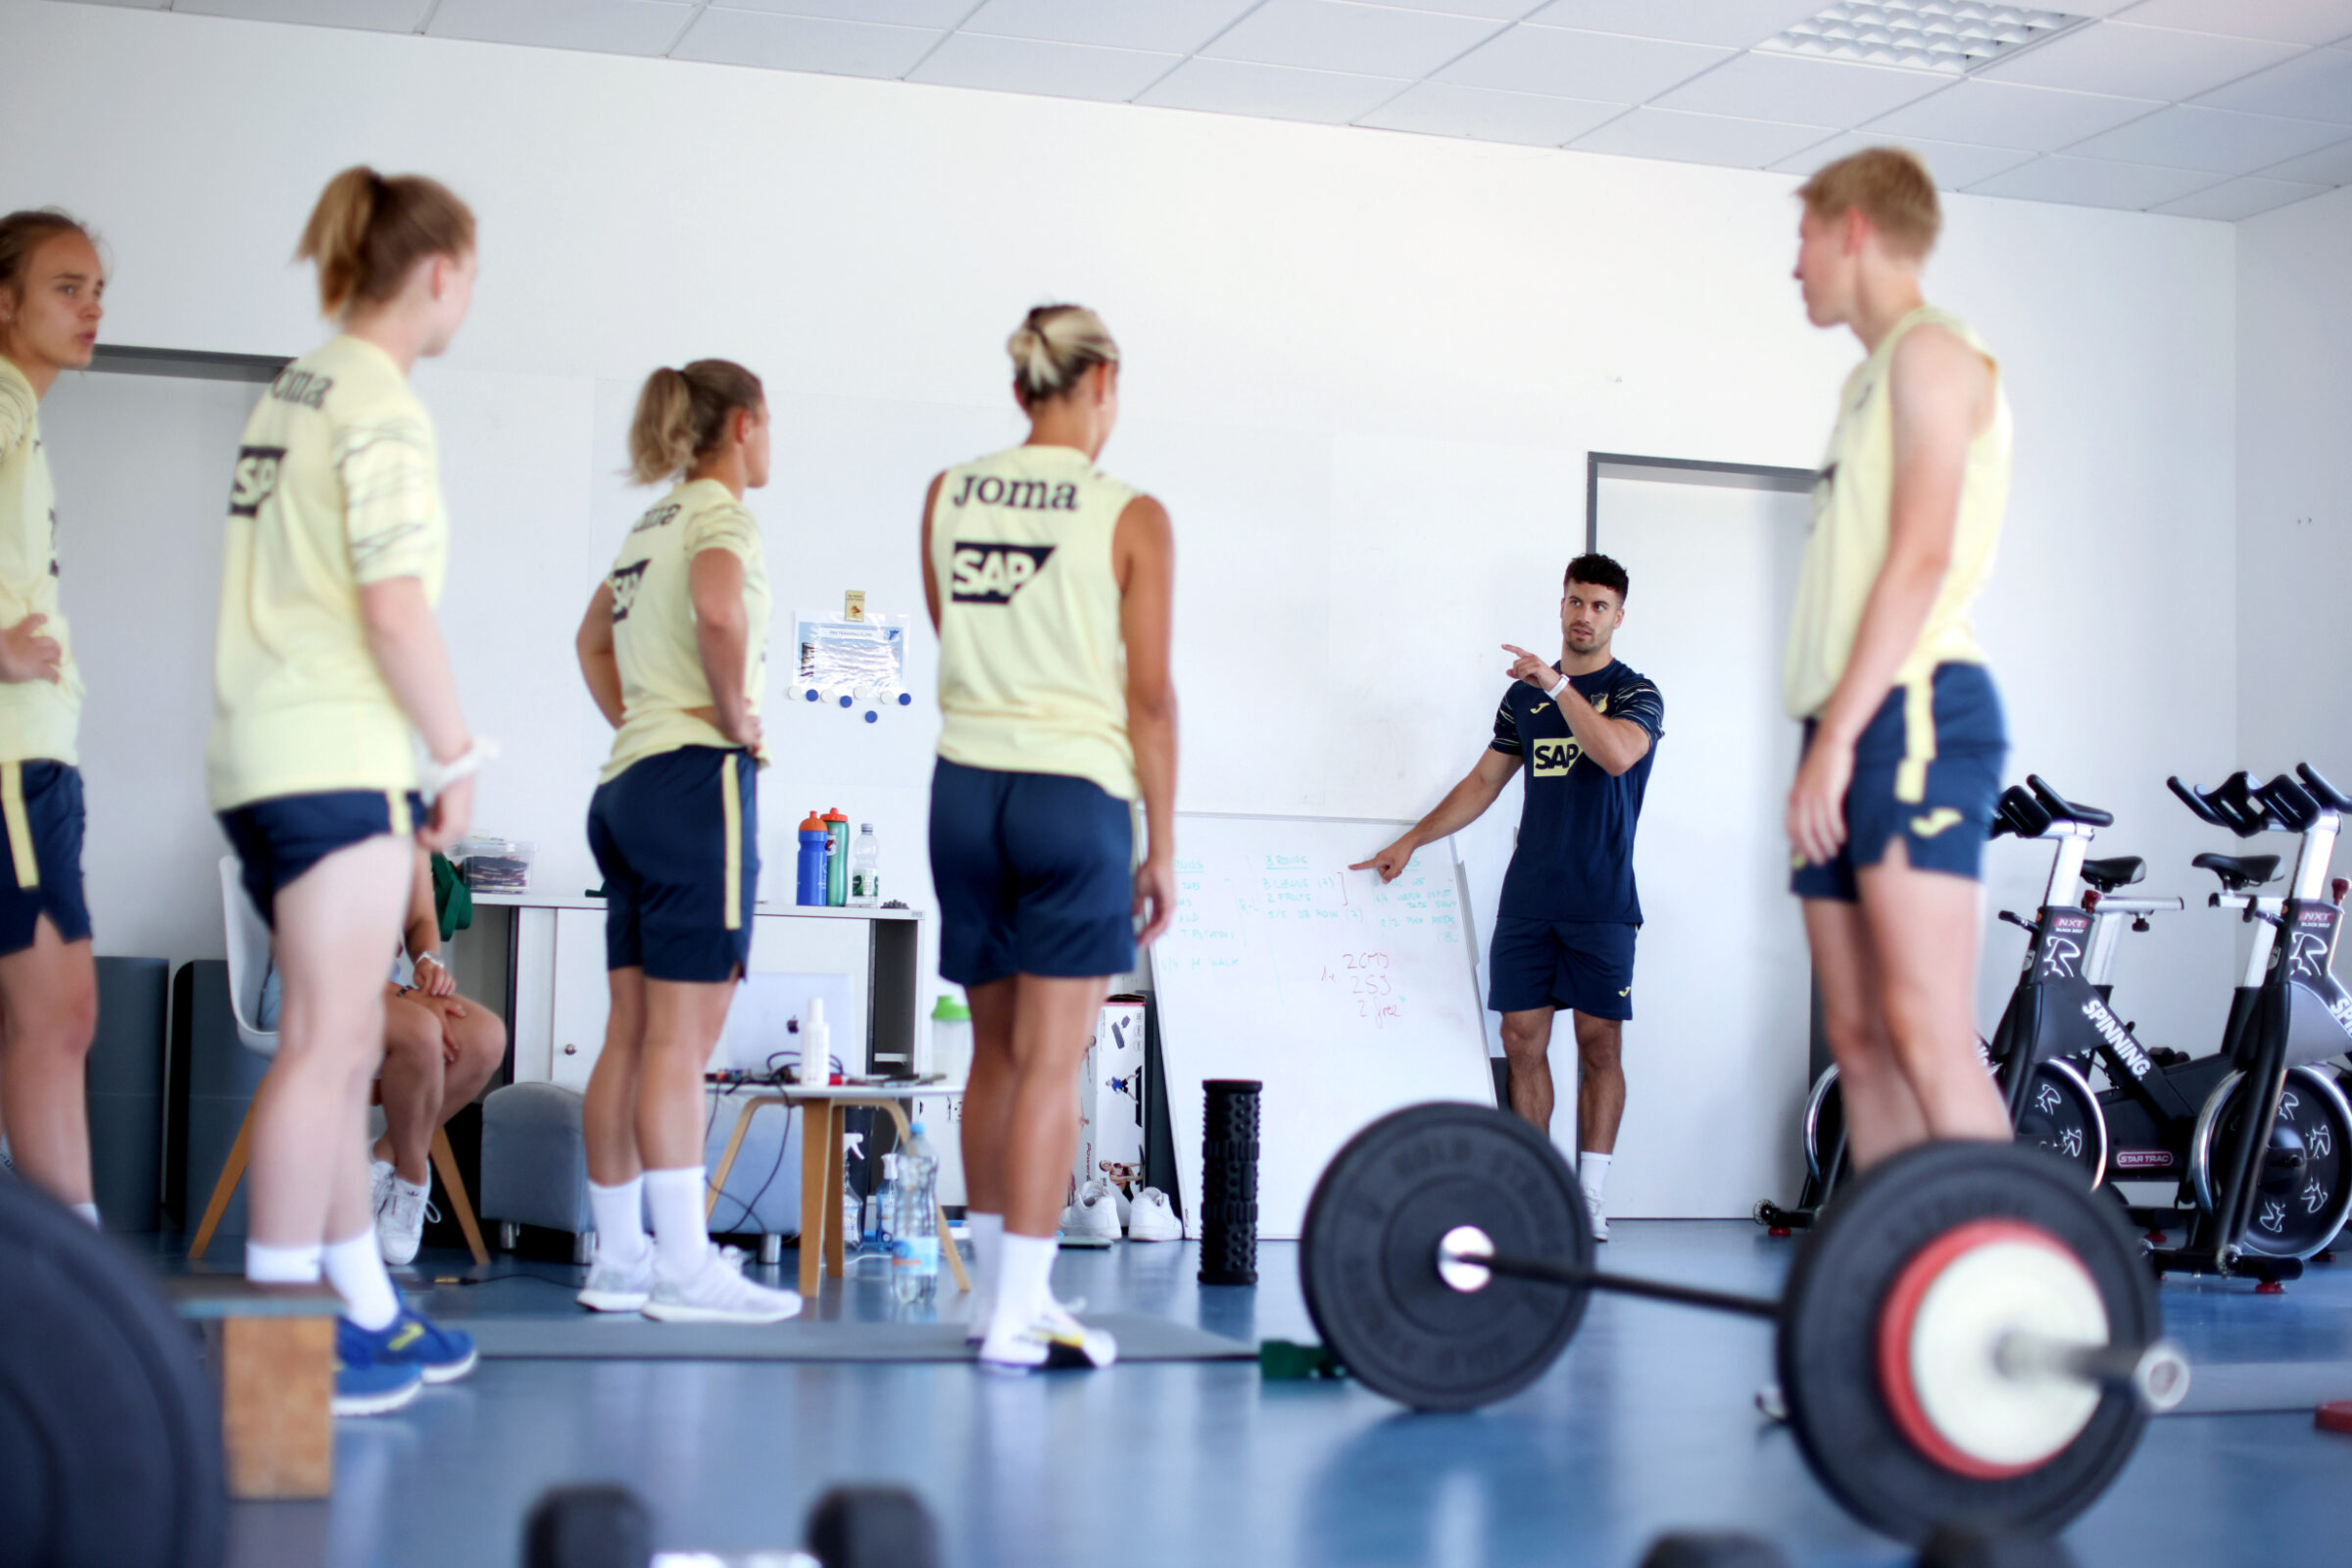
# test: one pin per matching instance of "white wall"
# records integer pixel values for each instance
(1363, 372)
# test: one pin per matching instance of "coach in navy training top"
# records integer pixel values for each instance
(1583, 730)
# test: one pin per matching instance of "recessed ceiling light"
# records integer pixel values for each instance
(1955, 36)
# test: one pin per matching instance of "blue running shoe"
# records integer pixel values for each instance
(444, 1355)
(367, 1381)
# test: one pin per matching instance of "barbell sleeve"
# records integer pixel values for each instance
(2156, 1373)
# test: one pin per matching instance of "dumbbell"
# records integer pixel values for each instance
(610, 1527)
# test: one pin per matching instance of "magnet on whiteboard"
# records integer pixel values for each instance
(871, 716)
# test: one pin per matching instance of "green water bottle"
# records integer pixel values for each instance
(837, 857)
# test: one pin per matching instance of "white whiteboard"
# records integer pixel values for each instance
(1346, 999)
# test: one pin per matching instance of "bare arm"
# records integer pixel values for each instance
(1142, 553)
(1463, 804)
(930, 573)
(1616, 744)
(722, 631)
(599, 667)
(1942, 392)
(405, 642)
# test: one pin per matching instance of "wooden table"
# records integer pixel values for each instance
(821, 1165)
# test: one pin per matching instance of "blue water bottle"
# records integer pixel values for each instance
(811, 883)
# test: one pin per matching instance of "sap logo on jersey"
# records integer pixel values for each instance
(625, 582)
(1554, 757)
(990, 574)
(255, 480)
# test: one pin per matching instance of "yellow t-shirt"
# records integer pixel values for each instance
(654, 624)
(336, 485)
(1853, 501)
(1032, 663)
(38, 721)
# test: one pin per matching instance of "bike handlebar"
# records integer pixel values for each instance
(2326, 794)
(2230, 804)
(2290, 802)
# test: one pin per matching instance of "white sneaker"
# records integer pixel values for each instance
(717, 1293)
(1153, 1219)
(619, 1287)
(399, 1223)
(1600, 1217)
(380, 1186)
(1053, 1340)
(1095, 1213)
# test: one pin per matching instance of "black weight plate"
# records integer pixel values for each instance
(1828, 1336)
(1368, 1255)
(110, 1438)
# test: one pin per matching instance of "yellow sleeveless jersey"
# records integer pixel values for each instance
(1852, 504)
(38, 721)
(337, 485)
(1032, 664)
(653, 620)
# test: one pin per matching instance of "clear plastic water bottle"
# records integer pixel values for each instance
(865, 868)
(914, 1237)
(879, 1214)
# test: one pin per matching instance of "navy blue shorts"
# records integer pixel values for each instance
(1035, 874)
(279, 839)
(1927, 768)
(677, 838)
(1586, 965)
(40, 810)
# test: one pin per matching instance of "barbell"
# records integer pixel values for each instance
(1967, 1336)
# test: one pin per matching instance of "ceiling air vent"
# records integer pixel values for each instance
(1954, 36)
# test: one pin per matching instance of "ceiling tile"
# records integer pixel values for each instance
(2218, 140)
(1994, 114)
(2094, 183)
(804, 43)
(2116, 57)
(1441, 109)
(1360, 39)
(377, 16)
(2317, 85)
(1492, 9)
(1595, 66)
(1955, 165)
(1814, 93)
(2235, 199)
(1736, 23)
(1700, 138)
(130, 5)
(1054, 69)
(895, 12)
(609, 27)
(2309, 21)
(1176, 26)
(2329, 165)
(1277, 92)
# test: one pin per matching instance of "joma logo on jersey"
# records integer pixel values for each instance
(625, 582)
(255, 480)
(305, 388)
(657, 516)
(1554, 757)
(990, 574)
(1030, 495)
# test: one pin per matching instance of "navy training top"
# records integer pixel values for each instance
(1574, 856)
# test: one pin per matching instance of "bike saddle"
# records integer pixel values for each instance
(2117, 871)
(2060, 807)
(2238, 873)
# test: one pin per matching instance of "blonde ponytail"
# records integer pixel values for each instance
(367, 232)
(682, 414)
(1053, 347)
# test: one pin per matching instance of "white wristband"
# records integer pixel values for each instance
(438, 776)
(1556, 690)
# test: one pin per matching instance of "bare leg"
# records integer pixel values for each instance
(411, 1084)
(1526, 1044)
(987, 1098)
(335, 923)
(1053, 1022)
(48, 1015)
(1600, 1082)
(609, 1110)
(473, 1043)
(682, 1022)
(1924, 929)
(1881, 1113)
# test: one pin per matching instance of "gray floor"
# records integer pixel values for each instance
(1647, 1425)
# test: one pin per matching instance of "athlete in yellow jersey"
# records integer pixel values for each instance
(1050, 584)
(327, 661)
(51, 286)
(673, 650)
(1904, 737)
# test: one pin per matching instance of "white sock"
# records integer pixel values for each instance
(89, 1211)
(620, 1211)
(1024, 1271)
(282, 1265)
(1593, 1174)
(988, 1249)
(356, 1269)
(680, 1238)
